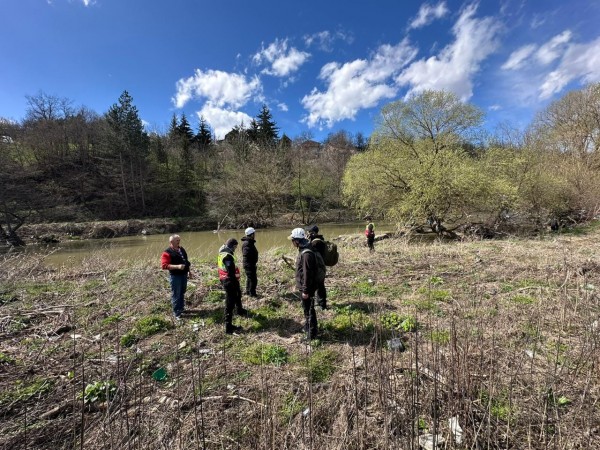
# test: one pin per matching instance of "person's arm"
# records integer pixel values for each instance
(230, 266)
(165, 262)
(309, 266)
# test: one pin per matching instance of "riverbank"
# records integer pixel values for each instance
(65, 231)
(500, 338)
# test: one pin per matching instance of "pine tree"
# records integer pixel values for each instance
(204, 137)
(184, 129)
(267, 128)
(129, 141)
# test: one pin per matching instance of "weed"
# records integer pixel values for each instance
(522, 300)
(260, 353)
(146, 326)
(112, 319)
(319, 366)
(128, 339)
(441, 337)
(364, 287)
(214, 296)
(395, 321)
(346, 321)
(24, 391)
(291, 407)
(99, 391)
(5, 359)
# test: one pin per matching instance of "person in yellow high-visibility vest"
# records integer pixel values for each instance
(229, 275)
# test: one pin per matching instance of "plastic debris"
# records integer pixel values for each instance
(430, 441)
(396, 344)
(182, 345)
(160, 374)
(456, 430)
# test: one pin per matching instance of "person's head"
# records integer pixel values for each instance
(298, 236)
(313, 231)
(250, 232)
(174, 240)
(232, 243)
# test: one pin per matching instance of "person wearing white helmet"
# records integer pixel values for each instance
(306, 280)
(250, 259)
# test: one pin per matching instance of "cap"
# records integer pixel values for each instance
(249, 231)
(313, 229)
(298, 233)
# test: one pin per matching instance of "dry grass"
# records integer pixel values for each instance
(506, 340)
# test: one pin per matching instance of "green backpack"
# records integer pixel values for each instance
(331, 255)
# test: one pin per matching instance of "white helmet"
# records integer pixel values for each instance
(298, 233)
(249, 231)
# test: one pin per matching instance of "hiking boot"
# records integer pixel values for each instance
(323, 306)
(232, 329)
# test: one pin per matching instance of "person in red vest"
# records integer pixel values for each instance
(175, 260)
(370, 234)
(229, 275)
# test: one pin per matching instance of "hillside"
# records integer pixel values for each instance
(501, 337)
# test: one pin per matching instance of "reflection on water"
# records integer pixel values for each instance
(198, 244)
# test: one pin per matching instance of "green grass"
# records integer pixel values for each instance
(364, 287)
(259, 354)
(522, 299)
(347, 320)
(291, 407)
(145, 327)
(25, 390)
(320, 365)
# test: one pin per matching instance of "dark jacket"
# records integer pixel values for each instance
(232, 273)
(249, 253)
(317, 242)
(173, 257)
(306, 270)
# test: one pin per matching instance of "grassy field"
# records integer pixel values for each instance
(501, 351)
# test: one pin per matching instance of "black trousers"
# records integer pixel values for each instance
(371, 243)
(322, 294)
(233, 299)
(310, 317)
(251, 282)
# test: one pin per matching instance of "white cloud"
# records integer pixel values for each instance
(428, 13)
(282, 60)
(324, 39)
(495, 108)
(516, 58)
(88, 2)
(355, 85)
(282, 107)
(554, 48)
(222, 120)
(458, 62)
(219, 88)
(579, 62)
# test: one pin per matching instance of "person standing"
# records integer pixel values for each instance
(370, 234)
(250, 259)
(317, 242)
(175, 260)
(306, 280)
(229, 275)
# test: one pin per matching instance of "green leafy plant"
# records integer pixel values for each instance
(395, 321)
(99, 391)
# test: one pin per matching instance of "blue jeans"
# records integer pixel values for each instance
(178, 288)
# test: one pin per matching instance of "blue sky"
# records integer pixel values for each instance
(320, 66)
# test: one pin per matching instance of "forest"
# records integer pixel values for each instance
(430, 164)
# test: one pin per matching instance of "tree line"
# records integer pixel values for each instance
(62, 163)
(430, 165)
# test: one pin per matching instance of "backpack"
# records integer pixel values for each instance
(321, 269)
(331, 255)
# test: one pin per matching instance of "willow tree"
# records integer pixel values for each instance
(417, 169)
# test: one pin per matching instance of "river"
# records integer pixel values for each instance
(198, 244)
